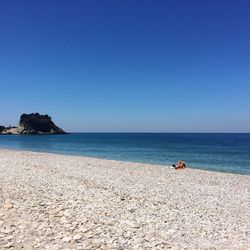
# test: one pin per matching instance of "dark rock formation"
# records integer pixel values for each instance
(38, 124)
(2, 128)
(34, 124)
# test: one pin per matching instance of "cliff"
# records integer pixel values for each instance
(33, 123)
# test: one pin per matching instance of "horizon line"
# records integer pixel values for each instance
(136, 132)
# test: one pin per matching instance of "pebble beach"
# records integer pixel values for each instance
(50, 201)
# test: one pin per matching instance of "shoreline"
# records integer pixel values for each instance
(54, 201)
(131, 162)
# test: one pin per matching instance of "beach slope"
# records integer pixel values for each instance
(50, 201)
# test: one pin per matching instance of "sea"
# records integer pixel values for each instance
(211, 151)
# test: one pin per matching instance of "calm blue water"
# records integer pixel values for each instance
(219, 152)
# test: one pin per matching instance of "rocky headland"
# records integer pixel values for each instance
(32, 124)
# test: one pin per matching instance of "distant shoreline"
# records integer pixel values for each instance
(66, 133)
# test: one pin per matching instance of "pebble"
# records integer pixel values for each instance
(8, 245)
(8, 205)
(77, 237)
(6, 230)
(66, 239)
(67, 202)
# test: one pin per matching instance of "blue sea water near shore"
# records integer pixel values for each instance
(219, 152)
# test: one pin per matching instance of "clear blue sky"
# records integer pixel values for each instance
(156, 66)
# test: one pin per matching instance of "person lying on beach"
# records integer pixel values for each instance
(180, 165)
